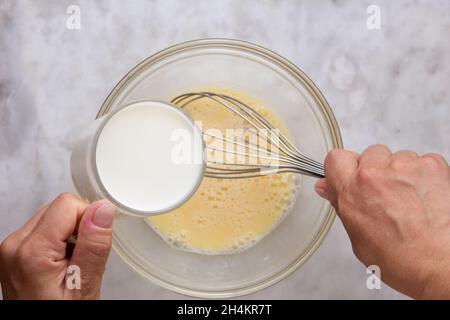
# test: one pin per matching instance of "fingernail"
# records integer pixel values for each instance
(104, 215)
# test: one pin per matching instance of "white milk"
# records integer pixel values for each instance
(149, 157)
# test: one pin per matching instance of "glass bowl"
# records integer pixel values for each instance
(269, 77)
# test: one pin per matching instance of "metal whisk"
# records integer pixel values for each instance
(282, 155)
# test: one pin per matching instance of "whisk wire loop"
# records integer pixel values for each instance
(283, 156)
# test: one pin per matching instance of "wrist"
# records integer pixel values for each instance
(437, 285)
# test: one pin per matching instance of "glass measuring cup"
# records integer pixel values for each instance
(145, 157)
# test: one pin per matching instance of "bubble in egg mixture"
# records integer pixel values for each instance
(227, 216)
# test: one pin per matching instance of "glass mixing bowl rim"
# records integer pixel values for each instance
(302, 78)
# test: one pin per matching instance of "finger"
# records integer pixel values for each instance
(17, 237)
(404, 155)
(56, 224)
(377, 154)
(323, 190)
(403, 161)
(440, 159)
(26, 229)
(93, 244)
(339, 166)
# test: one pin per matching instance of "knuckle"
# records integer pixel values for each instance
(8, 248)
(397, 164)
(65, 197)
(376, 149)
(400, 164)
(98, 247)
(405, 153)
(24, 254)
(333, 155)
(369, 174)
(434, 162)
(379, 147)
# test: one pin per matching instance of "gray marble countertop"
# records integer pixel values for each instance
(388, 85)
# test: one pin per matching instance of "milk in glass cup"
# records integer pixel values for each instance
(146, 158)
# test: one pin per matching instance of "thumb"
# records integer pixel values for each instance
(340, 165)
(323, 190)
(93, 245)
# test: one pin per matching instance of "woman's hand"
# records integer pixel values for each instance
(34, 260)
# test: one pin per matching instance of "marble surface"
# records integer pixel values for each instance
(385, 86)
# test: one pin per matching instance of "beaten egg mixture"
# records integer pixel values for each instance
(227, 216)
